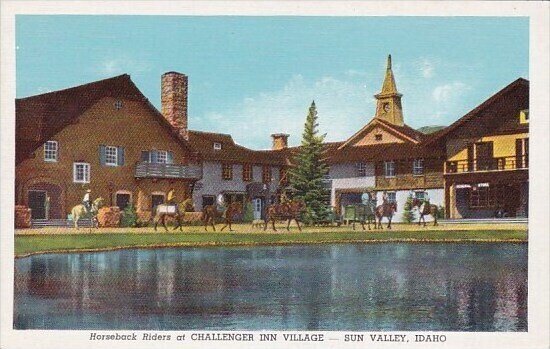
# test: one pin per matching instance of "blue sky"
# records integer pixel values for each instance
(253, 76)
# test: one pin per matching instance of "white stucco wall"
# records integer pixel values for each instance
(437, 197)
(344, 176)
(213, 184)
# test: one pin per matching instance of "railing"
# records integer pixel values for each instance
(154, 170)
(505, 163)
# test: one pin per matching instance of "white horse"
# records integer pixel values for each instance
(80, 211)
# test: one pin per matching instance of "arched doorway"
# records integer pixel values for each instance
(45, 200)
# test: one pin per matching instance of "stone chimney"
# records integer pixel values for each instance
(174, 100)
(280, 141)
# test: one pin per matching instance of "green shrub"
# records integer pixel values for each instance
(408, 215)
(129, 217)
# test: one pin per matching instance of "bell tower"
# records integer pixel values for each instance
(388, 105)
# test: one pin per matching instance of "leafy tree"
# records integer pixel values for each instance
(306, 177)
(408, 215)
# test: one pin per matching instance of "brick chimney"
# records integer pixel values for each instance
(280, 141)
(174, 100)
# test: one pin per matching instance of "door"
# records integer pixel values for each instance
(37, 204)
(484, 156)
(122, 200)
(156, 199)
(208, 200)
(257, 208)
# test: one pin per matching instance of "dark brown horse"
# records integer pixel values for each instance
(210, 213)
(163, 211)
(286, 211)
(425, 209)
(387, 210)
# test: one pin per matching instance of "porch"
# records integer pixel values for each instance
(156, 170)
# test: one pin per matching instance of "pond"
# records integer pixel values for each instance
(354, 287)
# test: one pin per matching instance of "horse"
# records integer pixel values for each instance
(285, 211)
(162, 211)
(387, 209)
(365, 213)
(80, 211)
(424, 209)
(210, 213)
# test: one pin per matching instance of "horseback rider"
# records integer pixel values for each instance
(385, 197)
(171, 197)
(87, 201)
(426, 198)
(221, 204)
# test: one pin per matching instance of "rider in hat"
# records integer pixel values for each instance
(385, 197)
(87, 201)
(171, 197)
(221, 204)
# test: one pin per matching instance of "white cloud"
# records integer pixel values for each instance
(426, 68)
(450, 91)
(343, 107)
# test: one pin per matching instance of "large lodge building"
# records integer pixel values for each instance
(106, 136)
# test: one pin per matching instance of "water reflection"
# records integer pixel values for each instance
(455, 287)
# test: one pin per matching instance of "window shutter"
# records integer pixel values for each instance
(120, 160)
(144, 156)
(170, 157)
(102, 155)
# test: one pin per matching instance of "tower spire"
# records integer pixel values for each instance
(388, 106)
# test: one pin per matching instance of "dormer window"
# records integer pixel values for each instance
(378, 137)
(524, 116)
(217, 146)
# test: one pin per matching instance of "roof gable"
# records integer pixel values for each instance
(366, 135)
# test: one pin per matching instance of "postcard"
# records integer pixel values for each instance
(246, 174)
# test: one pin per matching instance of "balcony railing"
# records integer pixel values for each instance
(154, 170)
(506, 163)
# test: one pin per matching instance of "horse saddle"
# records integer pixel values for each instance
(167, 209)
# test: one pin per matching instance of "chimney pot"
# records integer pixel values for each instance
(280, 141)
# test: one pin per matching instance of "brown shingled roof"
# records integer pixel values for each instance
(38, 118)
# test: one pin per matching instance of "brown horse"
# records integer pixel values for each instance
(387, 210)
(425, 209)
(210, 213)
(286, 211)
(161, 212)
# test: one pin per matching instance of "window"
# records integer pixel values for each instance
(378, 137)
(524, 116)
(50, 151)
(361, 169)
(247, 172)
(123, 199)
(118, 105)
(157, 156)
(480, 197)
(217, 146)
(391, 196)
(208, 200)
(418, 167)
(81, 172)
(420, 195)
(266, 174)
(389, 168)
(110, 156)
(227, 171)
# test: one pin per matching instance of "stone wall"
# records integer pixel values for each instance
(109, 216)
(22, 217)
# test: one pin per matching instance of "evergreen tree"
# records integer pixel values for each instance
(307, 176)
(408, 215)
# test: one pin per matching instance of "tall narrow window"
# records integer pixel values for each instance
(361, 169)
(266, 174)
(227, 171)
(247, 172)
(110, 156)
(81, 172)
(389, 168)
(418, 167)
(50, 151)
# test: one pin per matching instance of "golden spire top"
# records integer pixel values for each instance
(389, 86)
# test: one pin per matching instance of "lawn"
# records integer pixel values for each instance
(64, 240)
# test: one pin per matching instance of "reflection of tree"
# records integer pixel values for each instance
(481, 305)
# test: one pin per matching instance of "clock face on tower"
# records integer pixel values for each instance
(386, 107)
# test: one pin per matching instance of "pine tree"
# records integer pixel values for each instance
(408, 215)
(307, 176)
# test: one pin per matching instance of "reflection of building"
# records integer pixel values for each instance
(486, 172)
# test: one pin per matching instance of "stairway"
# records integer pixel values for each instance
(44, 223)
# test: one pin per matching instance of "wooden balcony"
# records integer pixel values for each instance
(154, 170)
(507, 163)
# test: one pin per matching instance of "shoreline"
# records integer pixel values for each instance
(214, 244)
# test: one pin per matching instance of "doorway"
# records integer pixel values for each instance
(37, 204)
(257, 203)
(122, 200)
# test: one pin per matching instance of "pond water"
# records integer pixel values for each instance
(356, 287)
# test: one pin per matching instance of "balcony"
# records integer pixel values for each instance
(507, 163)
(154, 170)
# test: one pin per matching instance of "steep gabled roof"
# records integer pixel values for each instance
(477, 111)
(39, 118)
